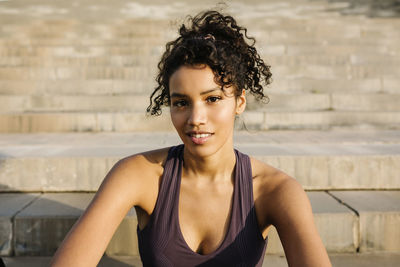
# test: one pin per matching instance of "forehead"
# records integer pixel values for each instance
(193, 78)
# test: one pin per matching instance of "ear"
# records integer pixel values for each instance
(241, 103)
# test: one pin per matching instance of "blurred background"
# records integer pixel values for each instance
(75, 80)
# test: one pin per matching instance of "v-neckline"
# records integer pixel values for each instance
(232, 210)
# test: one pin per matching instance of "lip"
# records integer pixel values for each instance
(200, 140)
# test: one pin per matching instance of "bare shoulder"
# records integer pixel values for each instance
(147, 161)
(277, 192)
(138, 173)
(268, 179)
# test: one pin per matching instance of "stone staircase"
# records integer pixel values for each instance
(74, 84)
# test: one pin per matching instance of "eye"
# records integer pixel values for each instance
(179, 103)
(213, 99)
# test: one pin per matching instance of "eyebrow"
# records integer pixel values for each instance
(202, 93)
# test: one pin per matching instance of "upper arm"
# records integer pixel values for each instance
(292, 216)
(121, 189)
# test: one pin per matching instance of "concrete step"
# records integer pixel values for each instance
(118, 45)
(292, 28)
(320, 86)
(41, 224)
(321, 102)
(131, 31)
(143, 49)
(293, 16)
(149, 70)
(32, 122)
(77, 87)
(307, 35)
(319, 160)
(82, 61)
(331, 60)
(343, 72)
(376, 210)
(83, 122)
(139, 103)
(294, 85)
(26, 73)
(337, 260)
(286, 12)
(322, 120)
(73, 103)
(343, 49)
(52, 26)
(69, 59)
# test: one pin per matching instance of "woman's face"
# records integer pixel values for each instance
(201, 112)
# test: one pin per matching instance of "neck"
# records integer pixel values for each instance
(217, 167)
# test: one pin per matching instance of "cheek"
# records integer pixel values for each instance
(224, 115)
(175, 118)
(178, 119)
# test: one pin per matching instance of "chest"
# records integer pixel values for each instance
(204, 216)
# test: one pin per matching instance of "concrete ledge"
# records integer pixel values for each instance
(97, 87)
(40, 228)
(74, 58)
(317, 159)
(340, 172)
(138, 102)
(60, 103)
(329, 120)
(87, 87)
(366, 102)
(10, 205)
(54, 173)
(297, 85)
(82, 122)
(313, 172)
(379, 213)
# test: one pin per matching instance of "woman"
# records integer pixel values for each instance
(201, 203)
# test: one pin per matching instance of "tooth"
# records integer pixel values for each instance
(200, 135)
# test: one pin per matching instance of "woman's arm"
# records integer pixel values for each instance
(119, 192)
(292, 216)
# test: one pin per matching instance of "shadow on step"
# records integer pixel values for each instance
(370, 8)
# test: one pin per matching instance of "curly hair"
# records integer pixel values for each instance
(217, 41)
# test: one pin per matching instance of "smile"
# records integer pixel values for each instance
(200, 135)
(199, 138)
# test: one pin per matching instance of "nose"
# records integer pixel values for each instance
(197, 115)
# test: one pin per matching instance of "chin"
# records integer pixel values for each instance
(200, 150)
(212, 146)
